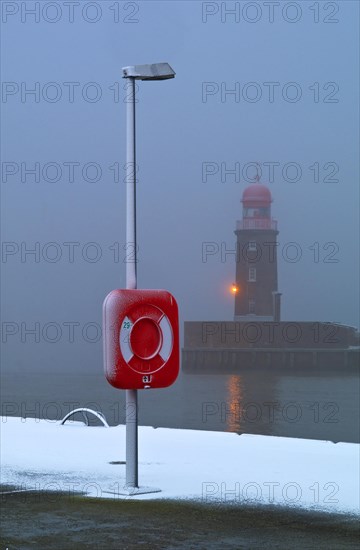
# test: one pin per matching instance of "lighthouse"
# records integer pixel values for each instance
(257, 337)
(257, 297)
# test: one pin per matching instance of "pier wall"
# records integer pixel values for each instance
(267, 334)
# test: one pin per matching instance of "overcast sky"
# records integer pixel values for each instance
(293, 72)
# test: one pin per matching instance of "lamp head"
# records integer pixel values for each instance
(156, 71)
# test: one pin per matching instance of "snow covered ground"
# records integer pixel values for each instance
(184, 464)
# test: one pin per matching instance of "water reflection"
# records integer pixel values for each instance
(305, 403)
(251, 402)
(231, 411)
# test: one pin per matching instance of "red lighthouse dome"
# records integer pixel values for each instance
(256, 195)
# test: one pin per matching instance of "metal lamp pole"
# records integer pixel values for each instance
(131, 395)
(158, 71)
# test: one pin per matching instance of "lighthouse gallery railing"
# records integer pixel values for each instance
(256, 223)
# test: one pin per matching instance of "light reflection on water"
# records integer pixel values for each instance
(232, 410)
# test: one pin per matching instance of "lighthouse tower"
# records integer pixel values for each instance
(257, 297)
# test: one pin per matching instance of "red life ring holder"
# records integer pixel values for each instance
(146, 338)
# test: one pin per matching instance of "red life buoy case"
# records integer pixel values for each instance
(141, 339)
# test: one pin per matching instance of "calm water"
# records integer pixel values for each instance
(305, 405)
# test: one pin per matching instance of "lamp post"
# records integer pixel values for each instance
(157, 71)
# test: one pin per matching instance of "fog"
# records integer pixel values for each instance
(247, 90)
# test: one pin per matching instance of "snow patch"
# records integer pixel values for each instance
(206, 466)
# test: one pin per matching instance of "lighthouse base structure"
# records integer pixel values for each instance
(275, 317)
(253, 318)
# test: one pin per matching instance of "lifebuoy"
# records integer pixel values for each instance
(145, 338)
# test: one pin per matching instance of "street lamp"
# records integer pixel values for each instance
(156, 71)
